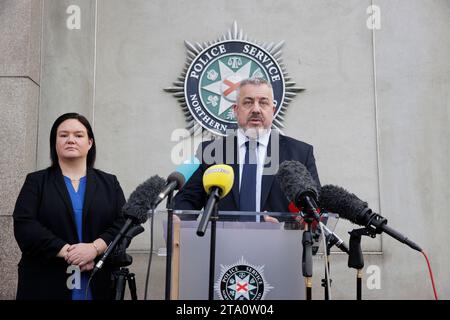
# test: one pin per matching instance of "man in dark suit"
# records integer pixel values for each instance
(254, 153)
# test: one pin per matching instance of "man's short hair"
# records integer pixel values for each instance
(252, 81)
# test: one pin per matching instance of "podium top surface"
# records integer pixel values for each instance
(328, 218)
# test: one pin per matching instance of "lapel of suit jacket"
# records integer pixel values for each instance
(60, 185)
(268, 178)
(89, 195)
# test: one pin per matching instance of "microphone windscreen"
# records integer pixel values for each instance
(294, 179)
(141, 199)
(221, 176)
(178, 178)
(338, 200)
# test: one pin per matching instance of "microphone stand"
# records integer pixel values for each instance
(355, 256)
(307, 263)
(328, 240)
(212, 251)
(169, 206)
(331, 239)
(211, 214)
(309, 215)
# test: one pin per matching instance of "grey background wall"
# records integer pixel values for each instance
(20, 25)
(376, 109)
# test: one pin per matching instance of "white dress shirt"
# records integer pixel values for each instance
(263, 141)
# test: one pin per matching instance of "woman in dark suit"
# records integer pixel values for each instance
(64, 218)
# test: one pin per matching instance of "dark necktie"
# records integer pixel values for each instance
(247, 195)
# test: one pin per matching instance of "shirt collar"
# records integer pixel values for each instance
(262, 139)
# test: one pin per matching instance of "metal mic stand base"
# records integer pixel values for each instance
(355, 255)
(359, 284)
(307, 263)
(120, 279)
(330, 241)
(169, 245)
(212, 252)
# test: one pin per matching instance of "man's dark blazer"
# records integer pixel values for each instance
(193, 197)
(44, 223)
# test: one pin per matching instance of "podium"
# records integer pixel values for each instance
(253, 260)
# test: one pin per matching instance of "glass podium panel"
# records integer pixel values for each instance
(253, 260)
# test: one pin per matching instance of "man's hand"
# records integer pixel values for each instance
(268, 218)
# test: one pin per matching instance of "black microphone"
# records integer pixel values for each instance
(119, 257)
(136, 211)
(178, 178)
(350, 207)
(299, 187)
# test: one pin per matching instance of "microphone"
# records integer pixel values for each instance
(178, 178)
(350, 207)
(217, 182)
(298, 186)
(136, 211)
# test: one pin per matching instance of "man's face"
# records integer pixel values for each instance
(255, 108)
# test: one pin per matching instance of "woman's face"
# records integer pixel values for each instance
(72, 141)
